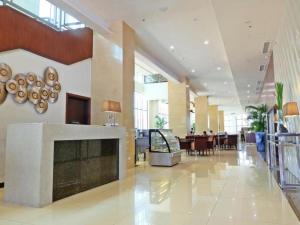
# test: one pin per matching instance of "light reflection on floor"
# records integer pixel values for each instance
(231, 187)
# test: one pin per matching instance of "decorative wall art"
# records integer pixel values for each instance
(30, 87)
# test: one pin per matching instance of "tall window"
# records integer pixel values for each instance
(140, 111)
(163, 111)
(235, 122)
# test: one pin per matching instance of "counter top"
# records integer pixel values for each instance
(30, 156)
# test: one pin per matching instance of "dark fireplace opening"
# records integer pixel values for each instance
(80, 165)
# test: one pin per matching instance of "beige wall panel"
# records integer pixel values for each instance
(287, 69)
(113, 78)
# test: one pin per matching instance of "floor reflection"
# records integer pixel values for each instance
(231, 187)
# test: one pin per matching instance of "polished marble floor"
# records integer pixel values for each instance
(230, 188)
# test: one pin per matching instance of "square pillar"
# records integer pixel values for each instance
(221, 121)
(179, 108)
(213, 118)
(201, 114)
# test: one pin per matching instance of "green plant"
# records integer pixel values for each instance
(279, 94)
(194, 126)
(160, 122)
(257, 115)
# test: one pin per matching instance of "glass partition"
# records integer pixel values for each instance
(45, 12)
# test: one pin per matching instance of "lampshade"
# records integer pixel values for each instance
(290, 109)
(111, 106)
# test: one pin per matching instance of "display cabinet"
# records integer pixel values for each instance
(164, 148)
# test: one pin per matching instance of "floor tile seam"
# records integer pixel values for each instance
(215, 205)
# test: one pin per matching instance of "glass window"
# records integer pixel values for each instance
(140, 111)
(46, 12)
(235, 122)
(163, 111)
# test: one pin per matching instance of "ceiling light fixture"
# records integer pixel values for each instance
(205, 84)
(248, 91)
(193, 71)
(206, 42)
(172, 48)
(219, 68)
(225, 82)
(249, 85)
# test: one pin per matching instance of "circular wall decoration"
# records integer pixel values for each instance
(3, 93)
(5, 72)
(21, 80)
(31, 78)
(41, 107)
(34, 95)
(53, 96)
(50, 76)
(56, 87)
(30, 87)
(12, 86)
(39, 83)
(21, 95)
(45, 93)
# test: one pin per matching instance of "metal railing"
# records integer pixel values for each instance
(46, 13)
(280, 147)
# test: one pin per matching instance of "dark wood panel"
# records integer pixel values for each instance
(84, 164)
(78, 109)
(19, 31)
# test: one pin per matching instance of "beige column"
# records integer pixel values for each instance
(201, 114)
(113, 78)
(179, 108)
(221, 121)
(128, 90)
(213, 118)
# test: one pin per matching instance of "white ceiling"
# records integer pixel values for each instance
(236, 31)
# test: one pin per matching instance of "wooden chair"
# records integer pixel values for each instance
(232, 140)
(185, 144)
(201, 145)
(211, 143)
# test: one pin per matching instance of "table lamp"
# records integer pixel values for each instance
(290, 109)
(111, 108)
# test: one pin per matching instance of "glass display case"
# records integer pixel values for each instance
(164, 148)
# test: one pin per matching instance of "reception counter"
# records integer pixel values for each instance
(47, 162)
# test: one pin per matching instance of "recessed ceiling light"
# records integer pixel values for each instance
(164, 9)
(248, 96)
(249, 85)
(225, 82)
(172, 48)
(248, 91)
(205, 84)
(219, 68)
(206, 42)
(193, 71)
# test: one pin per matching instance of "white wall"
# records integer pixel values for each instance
(75, 78)
(287, 68)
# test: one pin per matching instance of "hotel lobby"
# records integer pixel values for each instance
(138, 112)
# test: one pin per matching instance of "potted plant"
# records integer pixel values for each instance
(160, 122)
(257, 116)
(279, 96)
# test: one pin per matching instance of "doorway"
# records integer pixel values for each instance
(78, 109)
